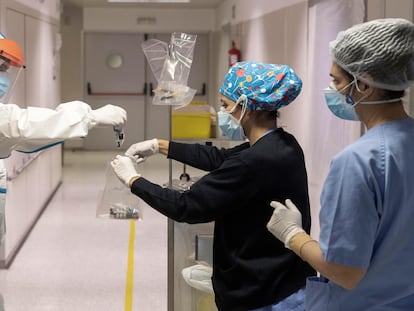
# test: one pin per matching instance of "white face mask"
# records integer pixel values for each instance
(343, 106)
(229, 125)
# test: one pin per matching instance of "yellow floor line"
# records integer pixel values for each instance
(130, 268)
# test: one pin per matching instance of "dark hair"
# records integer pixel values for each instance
(274, 114)
(265, 115)
(393, 94)
(271, 114)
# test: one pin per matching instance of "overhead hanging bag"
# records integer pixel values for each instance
(171, 64)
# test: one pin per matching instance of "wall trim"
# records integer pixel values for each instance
(6, 263)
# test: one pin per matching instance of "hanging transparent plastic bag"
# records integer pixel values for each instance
(171, 64)
(116, 200)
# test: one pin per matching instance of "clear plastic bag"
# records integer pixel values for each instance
(171, 64)
(116, 200)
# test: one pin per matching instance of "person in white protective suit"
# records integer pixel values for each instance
(35, 128)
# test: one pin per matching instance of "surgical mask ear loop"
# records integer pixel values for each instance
(239, 100)
(373, 102)
(333, 87)
(361, 100)
(348, 97)
(242, 98)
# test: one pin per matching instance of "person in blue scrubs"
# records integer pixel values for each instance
(365, 250)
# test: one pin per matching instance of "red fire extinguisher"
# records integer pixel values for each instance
(234, 54)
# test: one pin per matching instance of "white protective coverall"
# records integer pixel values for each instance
(35, 128)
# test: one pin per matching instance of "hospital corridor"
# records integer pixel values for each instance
(137, 136)
(74, 261)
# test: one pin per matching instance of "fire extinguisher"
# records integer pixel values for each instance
(234, 54)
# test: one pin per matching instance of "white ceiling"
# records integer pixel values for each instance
(196, 4)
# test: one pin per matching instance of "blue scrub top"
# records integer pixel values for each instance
(366, 220)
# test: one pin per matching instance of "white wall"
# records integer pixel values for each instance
(32, 178)
(71, 54)
(285, 44)
(391, 9)
(245, 10)
(45, 8)
(164, 21)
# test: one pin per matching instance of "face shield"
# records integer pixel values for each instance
(11, 65)
(8, 78)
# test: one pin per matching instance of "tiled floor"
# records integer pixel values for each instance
(74, 261)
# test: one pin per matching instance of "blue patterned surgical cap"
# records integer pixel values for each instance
(267, 87)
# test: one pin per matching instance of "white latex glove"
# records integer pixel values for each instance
(199, 277)
(109, 115)
(124, 168)
(140, 151)
(285, 222)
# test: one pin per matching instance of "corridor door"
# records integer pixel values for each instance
(115, 73)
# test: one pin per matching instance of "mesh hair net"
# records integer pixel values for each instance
(267, 87)
(379, 52)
